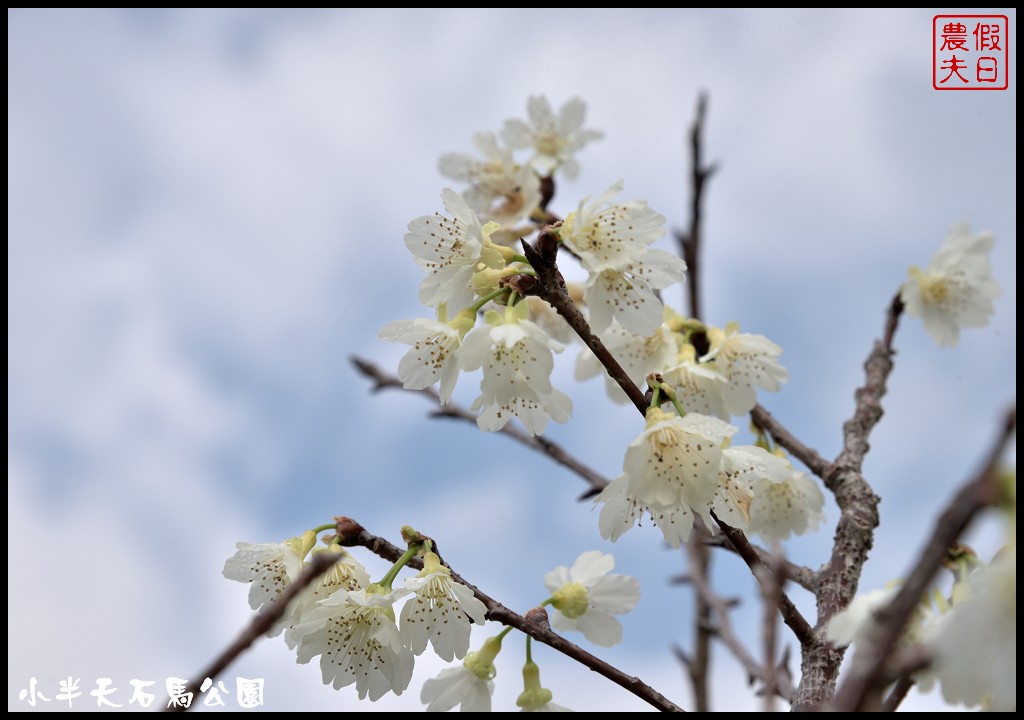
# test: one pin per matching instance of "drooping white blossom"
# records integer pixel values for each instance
(433, 355)
(554, 140)
(451, 248)
(791, 507)
(745, 471)
(638, 355)
(586, 597)
(439, 612)
(748, 362)
(470, 685)
(699, 387)
(499, 188)
(622, 511)
(346, 573)
(270, 567)
(956, 289)
(975, 643)
(676, 460)
(611, 236)
(535, 698)
(355, 635)
(516, 356)
(628, 294)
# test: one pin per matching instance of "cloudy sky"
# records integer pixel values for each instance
(205, 220)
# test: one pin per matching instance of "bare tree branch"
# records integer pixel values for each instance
(722, 627)
(808, 456)
(351, 534)
(801, 575)
(383, 380)
(690, 241)
(551, 288)
(855, 530)
(804, 633)
(869, 661)
(320, 563)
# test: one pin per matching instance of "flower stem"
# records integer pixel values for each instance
(487, 298)
(408, 555)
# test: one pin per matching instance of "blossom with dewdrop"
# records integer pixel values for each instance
(676, 460)
(975, 643)
(586, 597)
(956, 289)
(270, 567)
(499, 188)
(535, 698)
(638, 355)
(355, 635)
(435, 345)
(748, 362)
(745, 471)
(554, 140)
(470, 686)
(609, 236)
(439, 612)
(516, 356)
(451, 250)
(622, 511)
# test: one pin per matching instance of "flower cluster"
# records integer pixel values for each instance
(471, 268)
(722, 382)
(351, 624)
(681, 468)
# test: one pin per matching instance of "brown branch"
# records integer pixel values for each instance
(699, 668)
(383, 380)
(772, 584)
(869, 661)
(855, 530)
(723, 629)
(689, 246)
(800, 574)
(808, 456)
(689, 242)
(790, 615)
(320, 563)
(550, 287)
(351, 534)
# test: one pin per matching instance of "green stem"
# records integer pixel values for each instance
(399, 564)
(327, 526)
(529, 656)
(487, 298)
(656, 396)
(501, 636)
(522, 259)
(678, 407)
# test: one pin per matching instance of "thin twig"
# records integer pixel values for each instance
(320, 563)
(772, 584)
(689, 242)
(550, 287)
(979, 493)
(383, 380)
(790, 615)
(898, 694)
(351, 534)
(689, 246)
(800, 574)
(723, 629)
(808, 456)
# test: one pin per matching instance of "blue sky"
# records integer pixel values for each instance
(205, 220)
